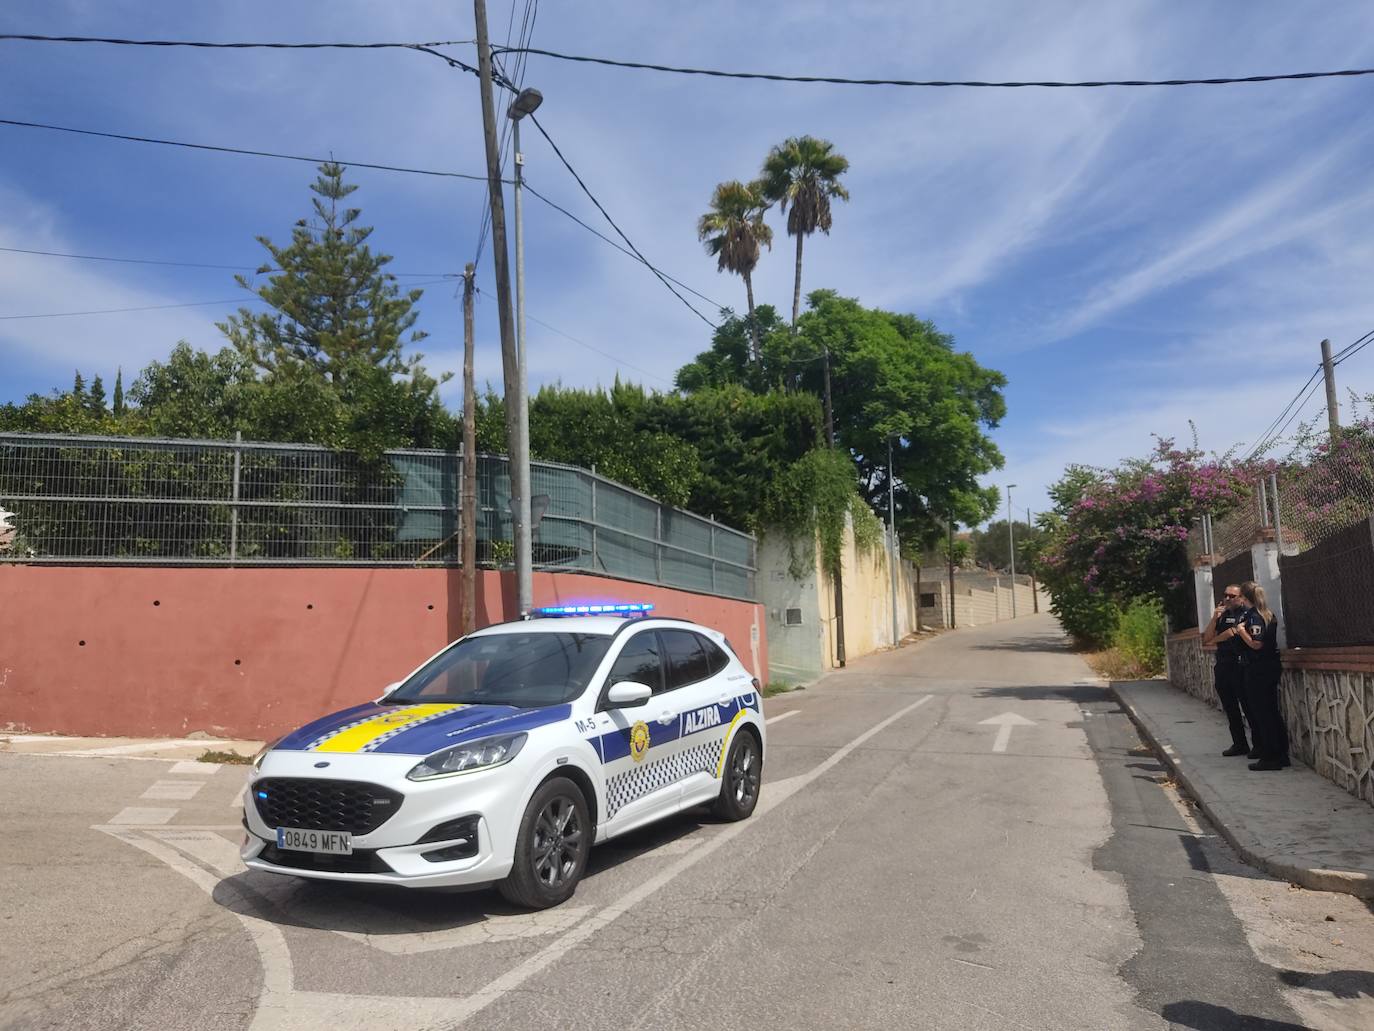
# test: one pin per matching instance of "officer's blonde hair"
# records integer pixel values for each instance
(1254, 594)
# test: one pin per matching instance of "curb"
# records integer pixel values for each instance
(1253, 852)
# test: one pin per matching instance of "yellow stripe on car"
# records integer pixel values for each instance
(725, 745)
(359, 736)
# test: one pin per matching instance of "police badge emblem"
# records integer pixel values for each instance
(639, 740)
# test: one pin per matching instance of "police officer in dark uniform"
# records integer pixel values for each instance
(1258, 632)
(1229, 676)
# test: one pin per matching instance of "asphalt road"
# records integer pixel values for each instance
(911, 865)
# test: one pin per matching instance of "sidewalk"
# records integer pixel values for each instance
(179, 749)
(1290, 823)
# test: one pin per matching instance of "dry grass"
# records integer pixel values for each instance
(232, 758)
(1114, 664)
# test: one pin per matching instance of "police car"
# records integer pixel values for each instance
(508, 754)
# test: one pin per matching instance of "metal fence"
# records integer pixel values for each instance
(207, 502)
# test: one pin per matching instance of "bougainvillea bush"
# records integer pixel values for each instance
(1121, 535)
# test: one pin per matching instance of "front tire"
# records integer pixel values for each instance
(551, 848)
(739, 787)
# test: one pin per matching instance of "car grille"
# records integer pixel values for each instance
(324, 805)
(363, 860)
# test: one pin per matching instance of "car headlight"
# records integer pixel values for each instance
(262, 752)
(476, 755)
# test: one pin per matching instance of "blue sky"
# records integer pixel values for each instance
(1131, 259)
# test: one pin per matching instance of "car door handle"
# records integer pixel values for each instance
(725, 698)
(666, 717)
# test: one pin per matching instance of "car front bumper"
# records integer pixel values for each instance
(393, 852)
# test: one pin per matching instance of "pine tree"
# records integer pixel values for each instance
(334, 309)
(79, 387)
(96, 400)
(119, 392)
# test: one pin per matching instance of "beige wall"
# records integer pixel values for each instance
(867, 602)
(978, 598)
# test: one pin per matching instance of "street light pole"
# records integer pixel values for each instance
(526, 103)
(1011, 539)
(893, 551)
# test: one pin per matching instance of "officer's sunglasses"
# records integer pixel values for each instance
(1232, 597)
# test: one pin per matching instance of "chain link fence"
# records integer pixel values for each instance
(204, 502)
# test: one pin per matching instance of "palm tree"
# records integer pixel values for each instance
(734, 231)
(803, 173)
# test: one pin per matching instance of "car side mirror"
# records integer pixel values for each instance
(627, 694)
(388, 691)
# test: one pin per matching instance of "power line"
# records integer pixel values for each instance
(240, 150)
(619, 232)
(621, 362)
(190, 264)
(622, 249)
(841, 81)
(159, 307)
(116, 311)
(1353, 349)
(29, 38)
(1268, 436)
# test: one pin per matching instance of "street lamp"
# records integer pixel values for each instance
(526, 103)
(1011, 540)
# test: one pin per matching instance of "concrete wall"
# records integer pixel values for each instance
(252, 652)
(1328, 702)
(801, 653)
(978, 598)
(795, 652)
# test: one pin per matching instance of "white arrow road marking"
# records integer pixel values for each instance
(1004, 723)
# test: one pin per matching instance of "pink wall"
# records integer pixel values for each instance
(250, 653)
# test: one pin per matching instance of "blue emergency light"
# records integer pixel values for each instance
(622, 609)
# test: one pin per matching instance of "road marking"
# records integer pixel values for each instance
(192, 766)
(145, 746)
(280, 1007)
(173, 790)
(463, 1008)
(782, 716)
(139, 816)
(1004, 724)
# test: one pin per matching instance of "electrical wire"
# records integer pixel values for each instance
(1043, 84)
(1352, 349)
(29, 38)
(621, 248)
(619, 232)
(621, 362)
(241, 150)
(193, 264)
(1266, 438)
(159, 307)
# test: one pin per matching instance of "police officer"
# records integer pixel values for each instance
(1228, 675)
(1258, 632)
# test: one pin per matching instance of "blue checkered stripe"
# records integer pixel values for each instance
(635, 783)
(377, 743)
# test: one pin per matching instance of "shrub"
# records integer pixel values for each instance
(1090, 619)
(1140, 634)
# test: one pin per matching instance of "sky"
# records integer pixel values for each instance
(1136, 261)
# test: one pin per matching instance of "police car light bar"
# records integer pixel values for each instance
(624, 609)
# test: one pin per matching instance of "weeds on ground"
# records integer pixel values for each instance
(232, 758)
(778, 687)
(1117, 664)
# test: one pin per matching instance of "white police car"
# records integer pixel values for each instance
(507, 755)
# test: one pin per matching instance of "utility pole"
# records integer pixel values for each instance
(1333, 412)
(510, 360)
(468, 548)
(894, 549)
(1011, 543)
(951, 570)
(839, 570)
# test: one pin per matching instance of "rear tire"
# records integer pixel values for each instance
(739, 787)
(551, 848)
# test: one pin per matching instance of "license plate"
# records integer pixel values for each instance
(335, 843)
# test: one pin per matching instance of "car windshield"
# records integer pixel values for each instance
(522, 669)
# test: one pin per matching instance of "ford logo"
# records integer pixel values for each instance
(320, 766)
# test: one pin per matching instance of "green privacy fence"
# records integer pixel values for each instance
(212, 502)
